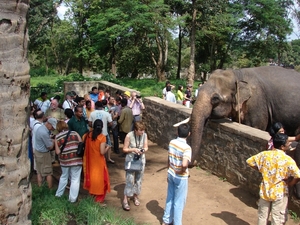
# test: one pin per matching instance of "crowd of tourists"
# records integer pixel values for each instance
(182, 97)
(57, 131)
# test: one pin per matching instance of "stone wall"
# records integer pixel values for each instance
(84, 87)
(225, 145)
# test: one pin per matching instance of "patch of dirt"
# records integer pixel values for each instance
(210, 200)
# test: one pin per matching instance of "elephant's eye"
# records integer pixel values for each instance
(215, 99)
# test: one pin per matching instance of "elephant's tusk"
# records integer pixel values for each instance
(182, 122)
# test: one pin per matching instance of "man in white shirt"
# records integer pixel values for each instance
(69, 103)
(42, 102)
(169, 95)
(99, 113)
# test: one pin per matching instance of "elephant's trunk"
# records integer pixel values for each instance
(201, 111)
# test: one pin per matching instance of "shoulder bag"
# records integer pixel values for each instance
(81, 147)
(65, 142)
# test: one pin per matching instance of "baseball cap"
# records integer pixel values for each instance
(53, 122)
(127, 93)
(70, 94)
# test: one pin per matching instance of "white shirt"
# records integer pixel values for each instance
(102, 115)
(42, 105)
(170, 97)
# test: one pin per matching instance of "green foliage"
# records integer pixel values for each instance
(48, 209)
(41, 72)
(110, 78)
(294, 216)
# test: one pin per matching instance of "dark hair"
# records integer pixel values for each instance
(78, 99)
(104, 102)
(78, 107)
(279, 140)
(43, 94)
(97, 129)
(98, 104)
(183, 130)
(168, 88)
(37, 115)
(93, 88)
(180, 87)
(69, 113)
(275, 128)
(88, 102)
(107, 91)
(118, 99)
(118, 92)
(167, 82)
(123, 102)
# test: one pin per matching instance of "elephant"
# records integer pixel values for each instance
(256, 97)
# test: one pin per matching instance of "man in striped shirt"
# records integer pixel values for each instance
(179, 157)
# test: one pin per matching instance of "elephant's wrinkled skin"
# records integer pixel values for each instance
(262, 95)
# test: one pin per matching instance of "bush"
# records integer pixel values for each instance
(41, 72)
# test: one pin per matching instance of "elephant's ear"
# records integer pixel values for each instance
(243, 93)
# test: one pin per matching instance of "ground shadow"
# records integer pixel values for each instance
(119, 188)
(230, 218)
(243, 196)
(155, 209)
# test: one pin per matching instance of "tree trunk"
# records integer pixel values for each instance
(113, 59)
(191, 71)
(179, 53)
(15, 188)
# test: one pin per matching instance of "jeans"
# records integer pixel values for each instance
(115, 133)
(74, 173)
(278, 209)
(176, 198)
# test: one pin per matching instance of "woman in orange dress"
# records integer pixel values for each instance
(96, 177)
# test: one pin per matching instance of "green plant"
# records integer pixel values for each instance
(224, 179)
(294, 216)
(48, 209)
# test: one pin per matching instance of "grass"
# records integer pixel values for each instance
(48, 209)
(34, 81)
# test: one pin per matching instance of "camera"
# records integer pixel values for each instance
(137, 156)
(138, 96)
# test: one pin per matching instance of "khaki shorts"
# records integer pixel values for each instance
(43, 163)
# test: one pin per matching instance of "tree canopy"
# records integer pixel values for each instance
(160, 38)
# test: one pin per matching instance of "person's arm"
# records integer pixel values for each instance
(103, 150)
(292, 181)
(109, 120)
(126, 148)
(141, 103)
(132, 102)
(57, 149)
(145, 146)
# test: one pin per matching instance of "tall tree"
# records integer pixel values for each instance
(15, 188)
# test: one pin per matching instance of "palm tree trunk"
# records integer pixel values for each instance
(15, 188)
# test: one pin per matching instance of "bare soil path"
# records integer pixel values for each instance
(211, 201)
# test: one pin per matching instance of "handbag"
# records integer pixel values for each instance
(134, 165)
(80, 149)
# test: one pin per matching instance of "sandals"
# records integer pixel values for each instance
(125, 206)
(136, 201)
